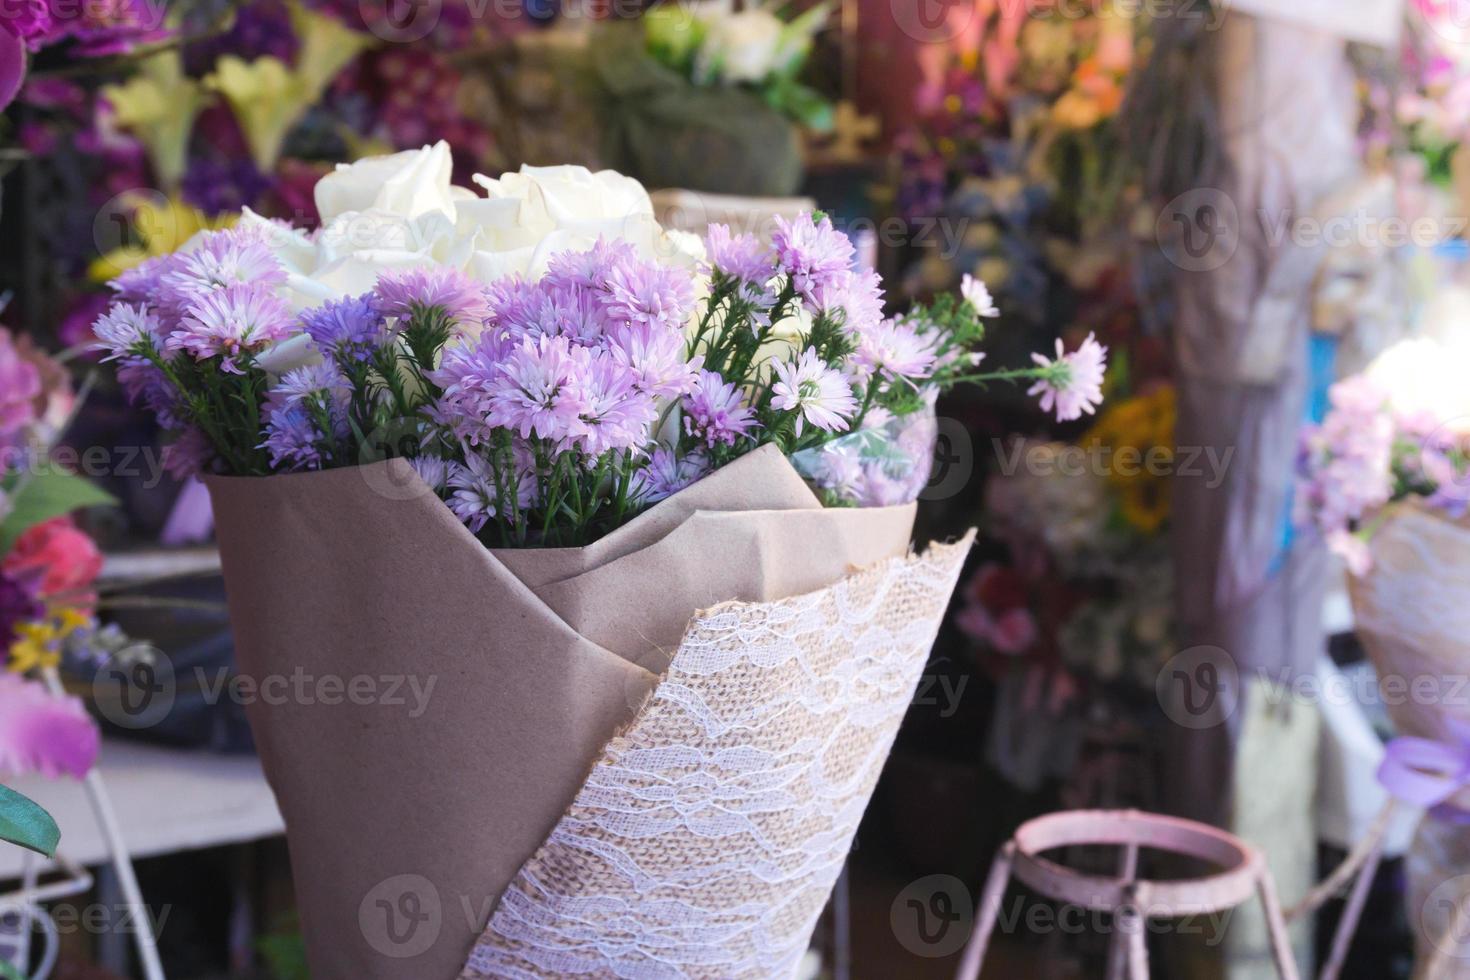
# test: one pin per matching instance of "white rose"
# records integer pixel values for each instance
(743, 47)
(402, 211)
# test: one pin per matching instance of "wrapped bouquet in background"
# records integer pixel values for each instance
(1386, 480)
(708, 99)
(505, 447)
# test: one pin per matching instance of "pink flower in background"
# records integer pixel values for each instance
(996, 611)
(20, 386)
(42, 733)
(1078, 388)
(65, 559)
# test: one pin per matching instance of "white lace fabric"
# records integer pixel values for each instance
(708, 836)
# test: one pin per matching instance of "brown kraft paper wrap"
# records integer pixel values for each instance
(1412, 614)
(486, 682)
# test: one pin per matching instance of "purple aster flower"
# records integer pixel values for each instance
(589, 270)
(433, 470)
(615, 413)
(18, 604)
(577, 314)
(741, 257)
(188, 455)
(350, 328)
(126, 333)
(894, 349)
(473, 496)
(411, 291)
(292, 438)
(538, 389)
(223, 259)
(644, 293)
(656, 356)
(230, 323)
(1077, 387)
(814, 254)
(321, 381)
(715, 411)
(856, 296)
(144, 282)
(666, 474)
(817, 393)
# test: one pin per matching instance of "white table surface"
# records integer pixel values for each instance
(167, 800)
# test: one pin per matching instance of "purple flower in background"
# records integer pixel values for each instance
(615, 412)
(1078, 388)
(223, 259)
(817, 393)
(43, 733)
(222, 185)
(230, 323)
(188, 455)
(20, 386)
(815, 255)
(350, 328)
(715, 411)
(666, 474)
(18, 604)
(741, 257)
(402, 294)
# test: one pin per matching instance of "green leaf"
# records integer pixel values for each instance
(42, 496)
(23, 822)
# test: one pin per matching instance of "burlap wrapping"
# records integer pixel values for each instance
(710, 833)
(430, 707)
(1412, 613)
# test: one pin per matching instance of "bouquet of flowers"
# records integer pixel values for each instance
(528, 436)
(708, 101)
(1386, 480)
(47, 570)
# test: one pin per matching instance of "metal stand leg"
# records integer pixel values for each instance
(1119, 950)
(1351, 913)
(995, 893)
(1276, 926)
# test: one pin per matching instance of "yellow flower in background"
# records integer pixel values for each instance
(269, 97)
(158, 105)
(163, 224)
(1138, 432)
(37, 645)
